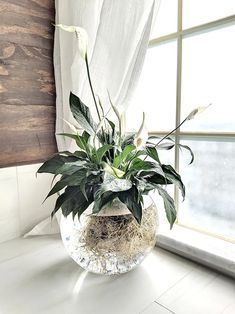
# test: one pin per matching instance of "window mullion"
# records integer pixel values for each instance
(178, 94)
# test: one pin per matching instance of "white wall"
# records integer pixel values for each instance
(21, 197)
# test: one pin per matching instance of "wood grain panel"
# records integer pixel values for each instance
(27, 90)
(26, 132)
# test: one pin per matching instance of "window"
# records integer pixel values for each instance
(190, 62)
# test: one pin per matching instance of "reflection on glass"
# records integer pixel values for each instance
(196, 12)
(208, 75)
(166, 19)
(210, 187)
(156, 92)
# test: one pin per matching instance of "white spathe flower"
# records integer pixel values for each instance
(142, 135)
(196, 111)
(81, 34)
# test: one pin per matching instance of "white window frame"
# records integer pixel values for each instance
(207, 248)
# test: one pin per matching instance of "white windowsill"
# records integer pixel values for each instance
(210, 251)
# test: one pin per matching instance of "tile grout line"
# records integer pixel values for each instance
(142, 311)
(168, 289)
(164, 307)
(191, 271)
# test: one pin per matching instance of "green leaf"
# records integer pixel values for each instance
(158, 179)
(86, 136)
(139, 164)
(152, 152)
(71, 167)
(82, 115)
(80, 154)
(53, 164)
(112, 125)
(146, 167)
(123, 155)
(79, 140)
(165, 146)
(76, 203)
(174, 177)
(144, 186)
(169, 205)
(189, 149)
(74, 179)
(130, 199)
(60, 200)
(83, 187)
(128, 140)
(101, 152)
(102, 200)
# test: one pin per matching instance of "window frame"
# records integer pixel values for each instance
(179, 35)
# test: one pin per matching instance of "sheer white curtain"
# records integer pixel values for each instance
(118, 33)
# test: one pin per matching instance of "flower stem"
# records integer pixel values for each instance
(92, 91)
(171, 132)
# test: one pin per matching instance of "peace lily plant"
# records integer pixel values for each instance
(108, 163)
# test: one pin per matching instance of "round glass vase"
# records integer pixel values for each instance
(110, 242)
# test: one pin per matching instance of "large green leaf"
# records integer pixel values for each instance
(139, 164)
(53, 164)
(78, 139)
(60, 200)
(101, 152)
(102, 200)
(158, 179)
(76, 202)
(80, 155)
(144, 186)
(112, 125)
(85, 136)
(152, 152)
(146, 168)
(73, 200)
(123, 155)
(82, 114)
(169, 205)
(71, 167)
(174, 177)
(74, 179)
(130, 199)
(128, 140)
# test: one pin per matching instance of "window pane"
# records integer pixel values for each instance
(210, 188)
(156, 92)
(166, 19)
(196, 12)
(208, 76)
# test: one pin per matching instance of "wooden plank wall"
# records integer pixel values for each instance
(27, 90)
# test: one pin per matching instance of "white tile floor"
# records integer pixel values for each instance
(37, 276)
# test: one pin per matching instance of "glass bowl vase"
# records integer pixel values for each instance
(110, 242)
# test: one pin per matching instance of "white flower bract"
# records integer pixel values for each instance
(81, 35)
(142, 135)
